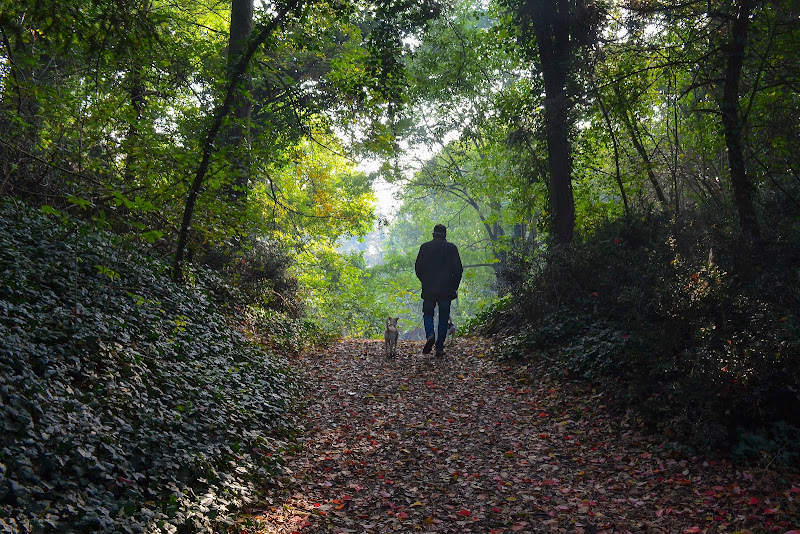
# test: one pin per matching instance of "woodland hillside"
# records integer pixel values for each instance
(129, 403)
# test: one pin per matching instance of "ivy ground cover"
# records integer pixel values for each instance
(467, 445)
(127, 403)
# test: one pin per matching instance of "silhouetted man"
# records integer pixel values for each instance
(439, 268)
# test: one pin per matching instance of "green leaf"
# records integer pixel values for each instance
(80, 202)
(49, 210)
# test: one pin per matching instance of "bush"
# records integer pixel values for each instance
(285, 333)
(679, 319)
(129, 404)
(259, 275)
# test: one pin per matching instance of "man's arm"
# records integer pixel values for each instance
(458, 268)
(419, 264)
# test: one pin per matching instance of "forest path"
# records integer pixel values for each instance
(462, 444)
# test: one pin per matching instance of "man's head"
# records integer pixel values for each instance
(440, 231)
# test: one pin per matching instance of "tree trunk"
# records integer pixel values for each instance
(551, 23)
(617, 174)
(238, 133)
(733, 124)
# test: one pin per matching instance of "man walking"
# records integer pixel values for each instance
(439, 268)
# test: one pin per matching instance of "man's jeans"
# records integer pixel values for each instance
(428, 306)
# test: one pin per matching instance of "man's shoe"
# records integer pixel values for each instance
(439, 352)
(428, 345)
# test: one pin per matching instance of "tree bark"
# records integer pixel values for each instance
(238, 134)
(551, 24)
(733, 125)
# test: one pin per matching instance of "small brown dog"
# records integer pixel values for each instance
(390, 337)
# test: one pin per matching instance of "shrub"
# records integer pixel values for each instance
(258, 272)
(678, 318)
(285, 333)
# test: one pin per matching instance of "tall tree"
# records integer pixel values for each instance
(294, 92)
(552, 32)
(221, 111)
(733, 125)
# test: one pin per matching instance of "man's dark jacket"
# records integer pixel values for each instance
(439, 269)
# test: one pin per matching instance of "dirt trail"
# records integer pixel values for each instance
(463, 444)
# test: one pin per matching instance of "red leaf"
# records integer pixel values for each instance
(496, 510)
(464, 513)
(753, 501)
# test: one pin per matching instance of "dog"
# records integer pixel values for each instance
(390, 337)
(451, 328)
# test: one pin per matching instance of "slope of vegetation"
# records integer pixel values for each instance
(681, 320)
(129, 403)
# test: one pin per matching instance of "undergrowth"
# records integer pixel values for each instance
(680, 321)
(128, 403)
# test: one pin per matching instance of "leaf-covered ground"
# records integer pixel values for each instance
(463, 444)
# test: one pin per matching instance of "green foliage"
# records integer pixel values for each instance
(678, 318)
(128, 404)
(287, 334)
(481, 320)
(338, 294)
(259, 274)
(115, 121)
